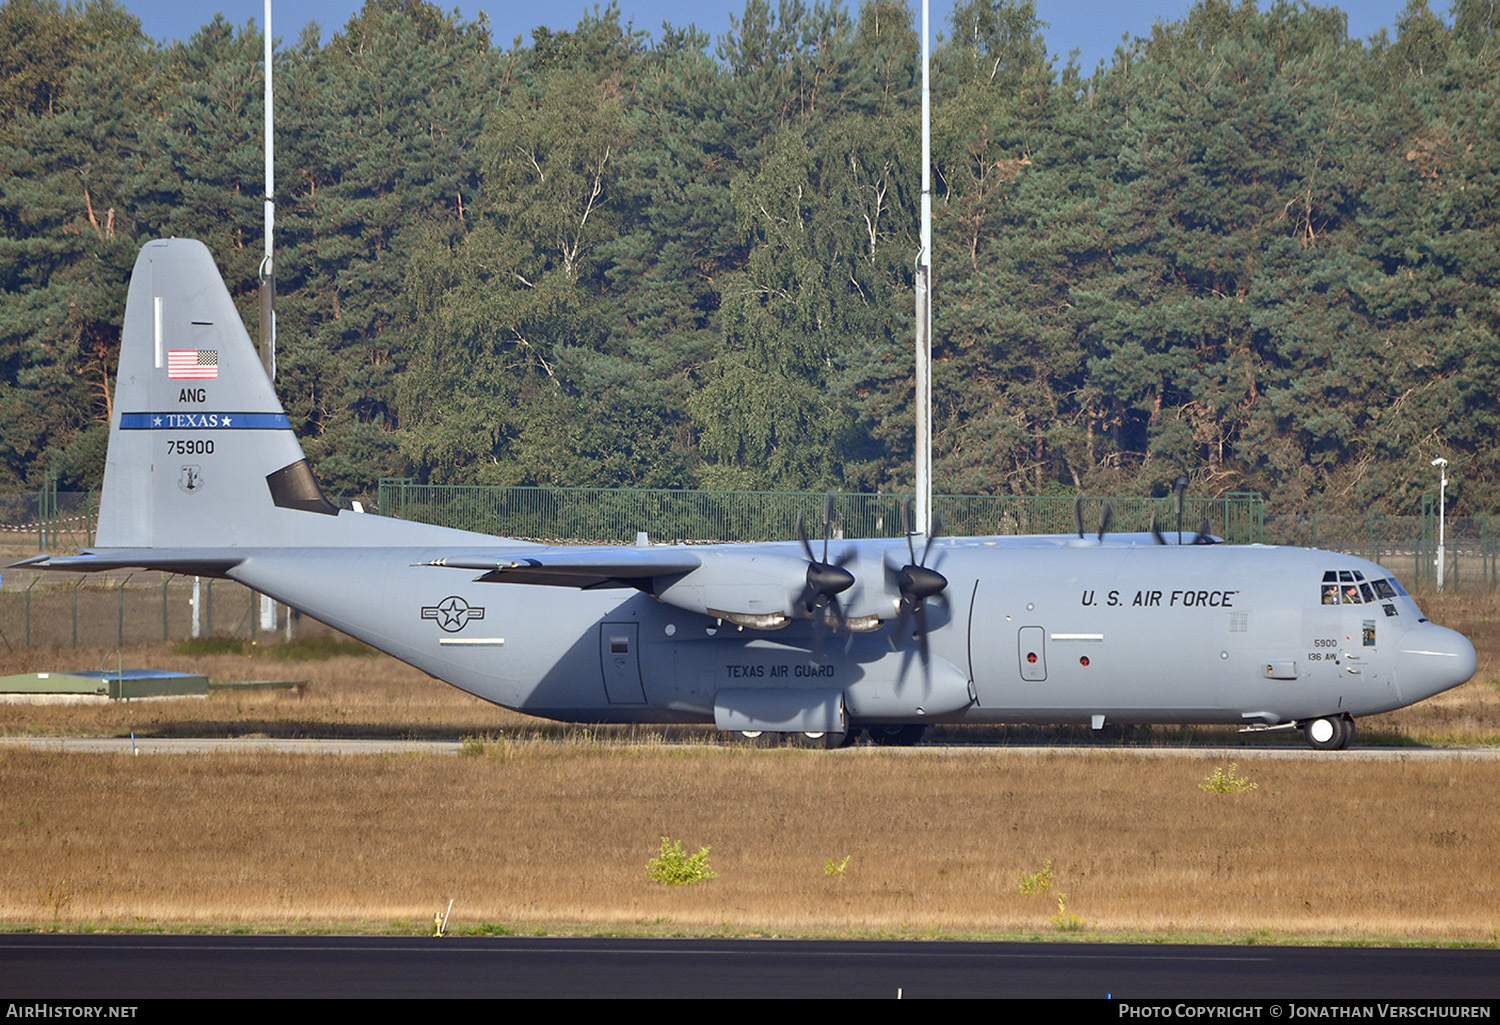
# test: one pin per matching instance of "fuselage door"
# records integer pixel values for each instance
(619, 653)
(1033, 653)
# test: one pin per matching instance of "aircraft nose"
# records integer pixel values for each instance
(1431, 659)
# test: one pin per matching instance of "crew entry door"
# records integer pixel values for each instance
(619, 653)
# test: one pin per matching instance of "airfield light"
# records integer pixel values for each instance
(1442, 465)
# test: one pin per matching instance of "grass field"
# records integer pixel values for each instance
(549, 828)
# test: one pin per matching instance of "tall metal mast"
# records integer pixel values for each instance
(267, 269)
(924, 310)
(268, 293)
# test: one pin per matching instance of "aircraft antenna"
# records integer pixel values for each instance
(923, 468)
(267, 268)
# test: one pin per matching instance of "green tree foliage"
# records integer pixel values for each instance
(1248, 247)
(71, 166)
(383, 127)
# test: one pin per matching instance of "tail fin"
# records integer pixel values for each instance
(201, 454)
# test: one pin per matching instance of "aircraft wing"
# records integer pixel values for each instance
(581, 567)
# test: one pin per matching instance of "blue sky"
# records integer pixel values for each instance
(1093, 27)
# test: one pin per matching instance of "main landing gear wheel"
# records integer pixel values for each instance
(1330, 733)
(760, 738)
(828, 741)
(897, 736)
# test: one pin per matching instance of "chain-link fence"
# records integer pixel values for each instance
(1406, 545)
(65, 610)
(57, 520)
(616, 516)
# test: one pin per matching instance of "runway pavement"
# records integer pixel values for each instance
(210, 745)
(126, 967)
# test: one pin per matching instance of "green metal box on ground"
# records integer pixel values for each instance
(119, 685)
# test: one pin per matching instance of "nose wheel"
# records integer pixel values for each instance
(1329, 733)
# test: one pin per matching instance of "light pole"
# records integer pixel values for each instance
(1442, 465)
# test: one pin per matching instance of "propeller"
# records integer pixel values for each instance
(1105, 516)
(1205, 530)
(1205, 534)
(1178, 490)
(916, 582)
(825, 580)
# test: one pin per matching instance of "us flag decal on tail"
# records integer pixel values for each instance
(192, 363)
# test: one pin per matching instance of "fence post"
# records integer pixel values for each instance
(1486, 557)
(46, 500)
(28, 609)
(120, 634)
(1424, 539)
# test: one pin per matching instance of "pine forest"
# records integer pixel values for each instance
(1248, 248)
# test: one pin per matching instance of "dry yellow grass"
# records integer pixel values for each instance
(545, 835)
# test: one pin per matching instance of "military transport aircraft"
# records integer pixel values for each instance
(205, 476)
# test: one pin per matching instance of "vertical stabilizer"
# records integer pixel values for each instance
(201, 453)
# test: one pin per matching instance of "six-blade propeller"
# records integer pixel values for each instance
(915, 582)
(825, 580)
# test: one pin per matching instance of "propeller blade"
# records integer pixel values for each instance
(1155, 533)
(921, 620)
(802, 536)
(937, 529)
(906, 527)
(1078, 515)
(1204, 535)
(1179, 488)
(827, 523)
(840, 621)
(1105, 517)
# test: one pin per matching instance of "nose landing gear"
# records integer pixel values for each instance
(1328, 733)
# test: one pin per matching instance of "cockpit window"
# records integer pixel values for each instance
(1349, 587)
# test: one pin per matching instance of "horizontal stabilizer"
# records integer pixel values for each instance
(203, 562)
